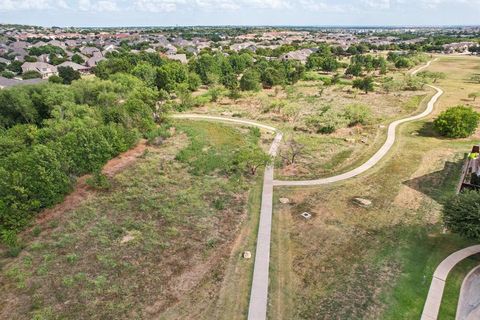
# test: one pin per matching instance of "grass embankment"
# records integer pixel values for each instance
(155, 245)
(351, 262)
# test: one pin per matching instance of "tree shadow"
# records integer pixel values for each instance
(438, 185)
(428, 131)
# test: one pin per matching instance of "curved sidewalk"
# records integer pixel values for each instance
(435, 293)
(382, 152)
(259, 291)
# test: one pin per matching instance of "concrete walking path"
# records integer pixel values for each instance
(382, 152)
(469, 302)
(435, 293)
(259, 290)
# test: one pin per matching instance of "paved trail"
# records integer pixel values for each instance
(382, 152)
(469, 301)
(259, 291)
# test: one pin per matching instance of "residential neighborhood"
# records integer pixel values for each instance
(42, 50)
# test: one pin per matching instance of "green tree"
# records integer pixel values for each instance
(251, 158)
(402, 63)
(250, 81)
(457, 122)
(77, 59)
(435, 76)
(271, 77)
(68, 74)
(146, 72)
(461, 214)
(354, 69)
(364, 84)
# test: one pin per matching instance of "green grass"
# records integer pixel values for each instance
(451, 293)
(350, 262)
(180, 226)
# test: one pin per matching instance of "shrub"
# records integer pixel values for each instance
(365, 84)
(328, 121)
(462, 214)
(31, 75)
(457, 122)
(98, 181)
(358, 114)
(250, 81)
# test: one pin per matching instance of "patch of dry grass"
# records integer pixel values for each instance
(154, 246)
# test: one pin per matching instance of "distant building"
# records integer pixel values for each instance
(45, 69)
(298, 55)
(74, 66)
(93, 61)
(179, 57)
(458, 47)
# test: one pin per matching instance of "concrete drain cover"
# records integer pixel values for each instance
(306, 215)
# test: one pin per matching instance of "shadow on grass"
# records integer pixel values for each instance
(428, 131)
(439, 185)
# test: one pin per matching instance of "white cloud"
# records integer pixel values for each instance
(322, 6)
(9, 5)
(173, 5)
(157, 5)
(98, 6)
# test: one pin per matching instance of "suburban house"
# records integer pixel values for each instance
(89, 51)
(45, 69)
(299, 55)
(458, 47)
(93, 61)
(75, 66)
(5, 61)
(179, 57)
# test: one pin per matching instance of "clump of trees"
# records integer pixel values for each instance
(461, 214)
(329, 119)
(52, 133)
(365, 84)
(235, 71)
(457, 122)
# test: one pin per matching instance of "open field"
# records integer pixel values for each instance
(376, 262)
(164, 241)
(323, 154)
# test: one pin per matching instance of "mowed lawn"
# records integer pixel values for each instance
(352, 262)
(157, 244)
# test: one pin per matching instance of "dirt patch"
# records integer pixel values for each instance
(82, 191)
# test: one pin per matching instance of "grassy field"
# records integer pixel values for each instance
(289, 109)
(352, 262)
(163, 242)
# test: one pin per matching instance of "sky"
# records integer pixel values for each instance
(95, 13)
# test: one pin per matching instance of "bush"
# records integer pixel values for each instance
(366, 84)
(462, 214)
(31, 75)
(250, 81)
(358, 114)
(55, 79)
(98, 181)
(457, 122)
(328, 121)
